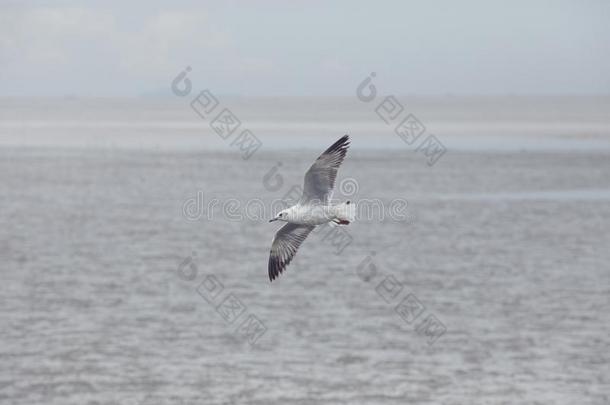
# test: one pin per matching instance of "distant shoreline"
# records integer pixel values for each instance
(472, 123)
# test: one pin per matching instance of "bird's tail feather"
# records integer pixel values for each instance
(345, 213)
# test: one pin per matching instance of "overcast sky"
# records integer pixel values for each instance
(108, 48)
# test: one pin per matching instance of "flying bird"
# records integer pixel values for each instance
(313, 208)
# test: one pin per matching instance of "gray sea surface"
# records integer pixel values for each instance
(129, 277)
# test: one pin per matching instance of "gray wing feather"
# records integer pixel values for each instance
(320, 178)
(285, 245)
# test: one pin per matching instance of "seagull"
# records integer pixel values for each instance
(313, 208)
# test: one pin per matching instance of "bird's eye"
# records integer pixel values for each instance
(281, 215)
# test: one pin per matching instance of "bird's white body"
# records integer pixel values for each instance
(316, 214)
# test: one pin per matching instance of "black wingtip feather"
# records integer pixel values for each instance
(277, 267)
(342, 144)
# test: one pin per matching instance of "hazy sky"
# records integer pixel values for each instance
(109, 48)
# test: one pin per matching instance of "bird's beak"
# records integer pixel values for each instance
(274, 219)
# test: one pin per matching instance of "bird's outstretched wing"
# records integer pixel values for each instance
(285, 244)
(320, 178)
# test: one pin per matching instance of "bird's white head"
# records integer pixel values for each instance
(282, 216)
